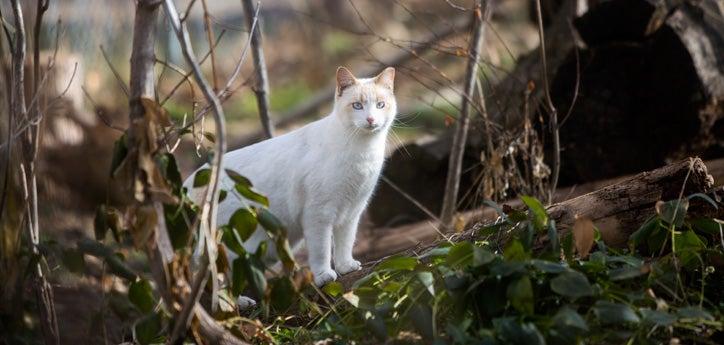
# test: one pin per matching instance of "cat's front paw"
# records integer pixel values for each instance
(346, 266)
(324, 277)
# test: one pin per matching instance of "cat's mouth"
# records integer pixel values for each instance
(373, 127)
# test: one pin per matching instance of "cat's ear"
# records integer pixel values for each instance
(345, 79)
(386, 78)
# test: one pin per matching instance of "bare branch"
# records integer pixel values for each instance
(207, 235)
(452, 183)
(551, 108)
(261, 85)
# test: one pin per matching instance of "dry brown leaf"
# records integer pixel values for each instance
(459, 223)
(583, 233)
(144, 225)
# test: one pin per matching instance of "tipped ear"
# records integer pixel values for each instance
(386, 78)
(345, 79)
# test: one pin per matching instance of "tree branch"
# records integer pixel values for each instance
(261, 85)
(452, 182)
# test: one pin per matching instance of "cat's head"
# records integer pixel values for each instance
(366, 103)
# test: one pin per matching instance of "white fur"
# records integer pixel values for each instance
(319, 178)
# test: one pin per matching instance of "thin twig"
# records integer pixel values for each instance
(261, 85)
(119, 80)
(208, 210)
(551, 108)
(452, 182)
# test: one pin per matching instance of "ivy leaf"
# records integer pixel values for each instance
(238, 178)
(520, 295)
(333, 288)
(482, 256)
(548, 266)
(694, 313)
(657, 317)
(460, 255)
(269, 221)
(568, 326)
(148, 330)
(282, 293)
(244, 222)
(673, 211)
(140, 294)
(246, 191)
(572, 284)
(397, 263)
(427, 281)
(513, 332)
(202, 177)
(609, 313)
(540, 217)
(230, 240)
(514, 251)
(238, 276)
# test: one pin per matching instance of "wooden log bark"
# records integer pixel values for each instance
(617, 210)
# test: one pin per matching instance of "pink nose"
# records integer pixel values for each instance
(370, 120)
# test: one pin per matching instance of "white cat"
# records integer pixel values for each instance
(319, 178)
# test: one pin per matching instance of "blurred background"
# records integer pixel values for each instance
(636, 84)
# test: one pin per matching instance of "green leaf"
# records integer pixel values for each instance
(148, 330)
(120, 151)
(548, 266)
(427, 281)
(230, 240)
(398, 263)
(202, 177)
(657, 317)
(673, 212)
(461, 254)
(254, 270)
(640, 236)
(514, 251)
(249, 193)
(284, 252)
(512, 332)
(482, 256)
(269, 222)
(572, 284)
(704, 197)
(170, 170)
(439, 251)
(706, 225)
(237, 178)
(610, 313)
(569, 318)
(520, 295)
(282, 293)
(333, 288)
(567, 327)
(540, 217)
(222, 195)
(627, 272)
(238, 276)
(421, 316)
(244, 222)
(694, 313)
(141, 295)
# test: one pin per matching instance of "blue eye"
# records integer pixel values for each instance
(357, 105)
(380, 105)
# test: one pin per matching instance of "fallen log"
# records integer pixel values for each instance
(617, 209)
